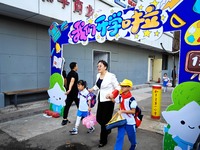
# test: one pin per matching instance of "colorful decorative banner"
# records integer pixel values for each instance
(148, 20)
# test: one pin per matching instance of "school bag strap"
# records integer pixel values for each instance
(85, 96)
(92, 98)
(130, 100)
(138, 112)
(82, 95)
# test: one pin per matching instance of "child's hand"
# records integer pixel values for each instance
(90, 90)
(89, 109)
(119, 112)
(109, 96)
(67, 92)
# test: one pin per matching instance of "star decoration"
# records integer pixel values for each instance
(117, 36)
(96, 15)
(90, 21)
(163, 17)
(155, 3)
(98, 37)
(136, 36)
(156, 33)
(141, 7)
(112, 11)
(147, 33)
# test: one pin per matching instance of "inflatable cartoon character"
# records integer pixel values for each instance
(183, 117)
(56, 93)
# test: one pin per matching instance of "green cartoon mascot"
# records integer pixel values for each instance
(183, 117)
(57, 95)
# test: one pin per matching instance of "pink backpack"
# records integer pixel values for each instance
(89, 121)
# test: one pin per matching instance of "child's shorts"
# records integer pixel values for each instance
(82, 113)
(165, 83)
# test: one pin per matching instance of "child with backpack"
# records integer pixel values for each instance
(84, 106)
(127, 110)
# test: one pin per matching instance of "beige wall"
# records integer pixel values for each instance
(157, 69)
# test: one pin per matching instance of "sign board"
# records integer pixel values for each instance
(147, 20)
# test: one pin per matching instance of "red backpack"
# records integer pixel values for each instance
(138, 112)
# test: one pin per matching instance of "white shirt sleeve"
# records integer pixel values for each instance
(133, 104)
(115, 83)
(117, 100)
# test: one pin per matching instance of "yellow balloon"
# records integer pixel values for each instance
(57, 47)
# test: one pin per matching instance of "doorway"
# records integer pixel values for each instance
(99, 55)
(150, 69)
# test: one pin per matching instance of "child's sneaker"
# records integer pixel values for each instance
(74, 131)
(133, 147)
(91, 130)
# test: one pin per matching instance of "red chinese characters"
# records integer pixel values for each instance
(155, 102)
(90, 11)
(51, 1)
(64, 3)
(78, 6)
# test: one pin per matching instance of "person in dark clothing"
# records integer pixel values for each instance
(64, 74)
(173, 75)
(71, 91)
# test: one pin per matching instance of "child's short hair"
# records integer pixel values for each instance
(82, 82)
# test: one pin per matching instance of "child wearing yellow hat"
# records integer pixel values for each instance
(127, 110)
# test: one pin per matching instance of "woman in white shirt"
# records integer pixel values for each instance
(106, 83)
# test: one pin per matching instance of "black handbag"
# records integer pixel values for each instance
(116, 121)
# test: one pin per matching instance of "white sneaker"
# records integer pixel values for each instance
(74, 131)
(91, 130)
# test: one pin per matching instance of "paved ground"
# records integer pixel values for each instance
(27, 128)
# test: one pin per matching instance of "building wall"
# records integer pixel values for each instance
(157, 67)
(46, 12)
(24, 55)
(25, 51)
(171, 66)
(125, 61)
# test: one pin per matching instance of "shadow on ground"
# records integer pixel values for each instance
(73, 146)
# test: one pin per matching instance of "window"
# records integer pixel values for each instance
(164, 62)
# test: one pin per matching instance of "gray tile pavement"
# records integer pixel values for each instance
(27, 123)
